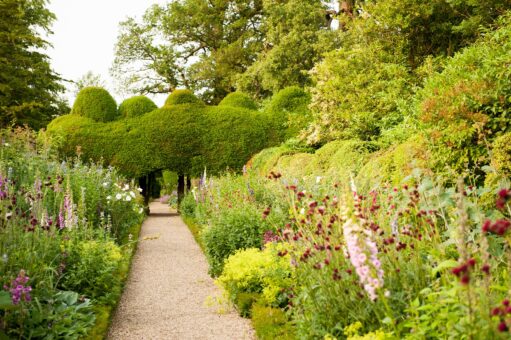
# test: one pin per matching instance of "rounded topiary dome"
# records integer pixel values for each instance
(290, 99)
(238, 99)
(95, 103)
(182, 97)
(136, 106)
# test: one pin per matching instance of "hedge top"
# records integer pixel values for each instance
(136, 106)
(95, 103)
(178, 97)
(238, 99)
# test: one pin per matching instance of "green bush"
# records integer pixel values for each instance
(237, 135)
(234, 229)
(271, 323)
(136, 106)
(91, 269)
(501, 154)
(178, 97)
(182, 138)
(466, 106)
(238, 99)
(265, 161)
(187, 206)
(95, 103)
(289, 108)
(255, 271)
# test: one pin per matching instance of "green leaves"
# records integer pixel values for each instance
(29, 88)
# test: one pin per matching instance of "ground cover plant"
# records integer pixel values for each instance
(67, 234)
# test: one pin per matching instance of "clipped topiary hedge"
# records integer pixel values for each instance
(178, 97)
(95, 103)
(290, 110)
(238, 99)
(136, 106)
(184, 138)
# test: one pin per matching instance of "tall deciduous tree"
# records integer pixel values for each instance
(198, 44)
(29, 88)
(296, 34)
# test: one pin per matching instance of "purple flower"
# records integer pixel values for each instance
(19, 290)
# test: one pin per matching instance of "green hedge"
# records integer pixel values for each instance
(136, 106)
(95, 103)
(238, 99)
(184, 138)
(178, 97)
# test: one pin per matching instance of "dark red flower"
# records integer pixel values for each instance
(502, 327)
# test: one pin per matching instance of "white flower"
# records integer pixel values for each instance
(318, 179)
(126, 187)
(128, 198)
(141, 210)
(108, 198)
(6, 144)
(139, 189)
(132, 194)
(302, 211)
(8, 215)
(105, 184)
(118, 196)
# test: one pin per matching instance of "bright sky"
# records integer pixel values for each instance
(85, 34)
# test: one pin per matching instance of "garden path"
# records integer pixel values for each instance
(166, 293)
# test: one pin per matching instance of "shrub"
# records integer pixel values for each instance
(289, 109)
(91, 269)
(265, 161)
(178, 97)
(501, 154)
(255, 271)
(95, 103)
(238, 99)
(237, 135)
(465, 105)
(234, 229)
(271, 323)
(136, 106)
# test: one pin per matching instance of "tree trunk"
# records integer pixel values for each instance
(188, 183)
(180, 188)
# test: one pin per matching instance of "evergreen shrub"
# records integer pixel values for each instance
(95, 103)
(136, 106)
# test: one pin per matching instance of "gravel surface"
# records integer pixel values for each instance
(168, 288)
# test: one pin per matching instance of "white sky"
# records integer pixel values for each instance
(85, 33)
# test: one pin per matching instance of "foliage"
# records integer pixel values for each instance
(365, 105)
(136, 106)
(289, 109)
(271, 323)
(61, 236)
(465, 105)
(501, 154)
(192, 43)
(29, 88)
(187, 137)
(257, 271)
(178, 97)
(95, 103)
(295, 37)
(235, 229)
(91, 269)
(238, 99)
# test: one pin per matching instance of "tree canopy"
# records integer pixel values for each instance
(29, 88)
(216, 47)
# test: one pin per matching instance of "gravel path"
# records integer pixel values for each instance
(166, 293)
